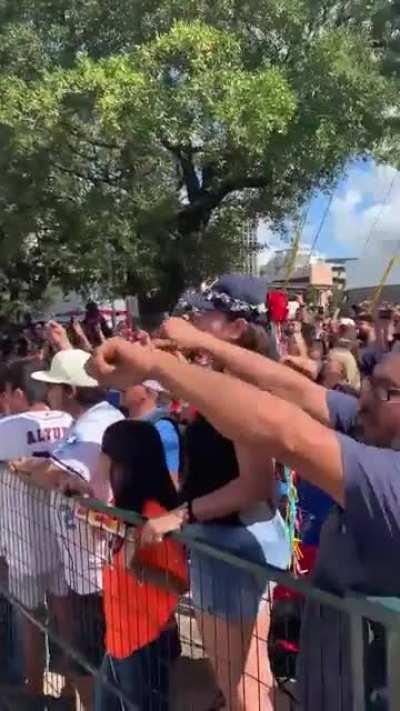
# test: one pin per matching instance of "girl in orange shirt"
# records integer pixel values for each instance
(143, 582)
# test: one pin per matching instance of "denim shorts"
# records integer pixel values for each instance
(220, 588)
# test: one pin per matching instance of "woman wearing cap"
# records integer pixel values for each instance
(143, 583)
(230, 503)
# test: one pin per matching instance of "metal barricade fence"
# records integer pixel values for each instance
(90, 621)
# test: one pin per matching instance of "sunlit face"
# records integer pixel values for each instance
(332, 374)
(380, 403)
(136, 397)
(219, 325)
(315, 352)
(364, 330)
(214, 322)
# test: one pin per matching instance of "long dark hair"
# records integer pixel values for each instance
(136, 448)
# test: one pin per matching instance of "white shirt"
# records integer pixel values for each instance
(25, 517)
(81, 550)
(33, 432)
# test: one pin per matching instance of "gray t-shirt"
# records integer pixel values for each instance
(359, 551)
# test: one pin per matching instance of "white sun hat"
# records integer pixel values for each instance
(67, 368)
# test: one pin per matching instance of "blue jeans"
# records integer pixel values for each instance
(143, 677)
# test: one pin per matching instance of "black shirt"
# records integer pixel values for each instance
(211, 463)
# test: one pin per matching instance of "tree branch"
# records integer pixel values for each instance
(193, 215)
(190, 177)
(95, 179)
(184, 155)
(211, 199)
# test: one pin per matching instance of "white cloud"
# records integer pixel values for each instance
(366, 213)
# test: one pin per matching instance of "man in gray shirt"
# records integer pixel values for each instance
(294, 420)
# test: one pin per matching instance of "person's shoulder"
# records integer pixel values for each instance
(372, 469)
(18, 421)
(372, 503)
(53, 418)
(343, 410)
(371, 453)
(96, 420)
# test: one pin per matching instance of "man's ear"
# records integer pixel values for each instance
(237, 329)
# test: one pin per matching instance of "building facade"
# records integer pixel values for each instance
(309, 274)
(250, 251)
(338, 266)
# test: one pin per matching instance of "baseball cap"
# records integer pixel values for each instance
(67, 368)
(242, 295)
(153, 385)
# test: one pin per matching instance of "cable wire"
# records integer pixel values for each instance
(322, 223)
(380, 213)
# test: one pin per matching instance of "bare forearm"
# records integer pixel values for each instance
(231, 498)
(220, 398)
(43, 473)
(253, 418)
(268, 375)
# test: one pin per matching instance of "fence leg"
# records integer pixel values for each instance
(357, 662)
(393, 676)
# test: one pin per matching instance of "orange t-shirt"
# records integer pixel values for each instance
(135, 612)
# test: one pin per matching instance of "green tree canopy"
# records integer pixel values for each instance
(139, 138)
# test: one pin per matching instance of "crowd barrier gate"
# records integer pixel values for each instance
(195, 663)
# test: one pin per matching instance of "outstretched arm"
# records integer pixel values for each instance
(238, 410)
(254, 368)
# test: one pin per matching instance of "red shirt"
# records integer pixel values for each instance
(136, 613)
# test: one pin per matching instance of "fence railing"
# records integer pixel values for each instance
(90, 620)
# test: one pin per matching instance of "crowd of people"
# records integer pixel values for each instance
(255, 424)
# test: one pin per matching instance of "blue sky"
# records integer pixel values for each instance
(364, 210)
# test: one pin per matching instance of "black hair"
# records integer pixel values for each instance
(19, 376)
(137, 448)
(92, 308)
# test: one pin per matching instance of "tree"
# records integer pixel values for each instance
(138, 140)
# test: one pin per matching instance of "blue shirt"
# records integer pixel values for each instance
(314, 506)
(359, 551)
(169, 437)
